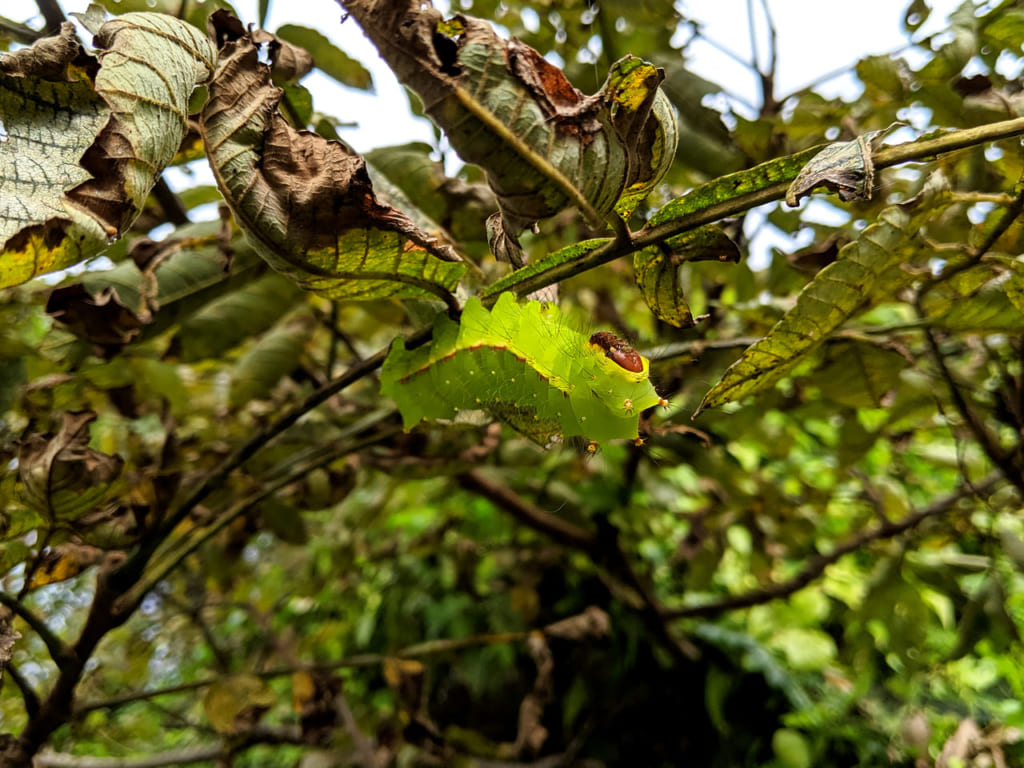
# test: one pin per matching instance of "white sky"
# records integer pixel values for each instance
(814, 38)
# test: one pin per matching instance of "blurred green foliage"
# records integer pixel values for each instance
(830, 573)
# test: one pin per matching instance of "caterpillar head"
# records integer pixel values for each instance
(619, 351)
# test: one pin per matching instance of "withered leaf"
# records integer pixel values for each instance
(844, 167)
(305, 203)
(62, 477)
(86, 139)
(543, 144)
(656, 270)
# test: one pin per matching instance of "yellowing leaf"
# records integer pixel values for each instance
(230, 698)
(63, 562)
(86, 139)
(307, 204)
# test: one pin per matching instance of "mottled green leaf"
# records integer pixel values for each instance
(865, 268)
(86, 139)
(307, 204)
(328, 57)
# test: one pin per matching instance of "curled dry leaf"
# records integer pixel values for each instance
(62, 477)
(544, 144)
(656, 270)
(86, 138)
(591, 624)
(305, 203)
(844, 167)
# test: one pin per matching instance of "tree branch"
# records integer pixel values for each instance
(61, 654)
(816, 565)
(184, 756)
(769, 191)
(28, 694)
(559, 530)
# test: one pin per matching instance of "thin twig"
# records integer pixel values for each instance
(988, 442)
(816, 565)
(556, 528)
(1010, 215)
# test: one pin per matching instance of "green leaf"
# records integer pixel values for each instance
(86, 140)
(866, 268)
(860, 374)
(327, 57)
(269, 360)
(227, 321)
(307, 204)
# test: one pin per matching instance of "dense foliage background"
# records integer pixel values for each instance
(826, 573)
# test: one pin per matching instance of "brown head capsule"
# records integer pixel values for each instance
(618, 350)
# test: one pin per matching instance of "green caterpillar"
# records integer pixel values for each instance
(526, 366)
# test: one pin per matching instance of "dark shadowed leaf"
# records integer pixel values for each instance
(62, 477)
